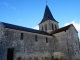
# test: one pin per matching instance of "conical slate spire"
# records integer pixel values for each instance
(47, 15)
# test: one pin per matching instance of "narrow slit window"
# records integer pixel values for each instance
(46, 40)
(76, 42)
(21, 36)
(55, 27)
(52, 27)
(45, 27)
(36, 39)
(42, 28)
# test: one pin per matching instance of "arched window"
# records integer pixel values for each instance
(55, 27)
(45, 27)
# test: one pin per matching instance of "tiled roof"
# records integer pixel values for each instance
(11, 26)
(47, 15)
(61, 29)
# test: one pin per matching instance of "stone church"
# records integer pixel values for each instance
(48, 43)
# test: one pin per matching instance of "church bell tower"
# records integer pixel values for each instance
(48, 22)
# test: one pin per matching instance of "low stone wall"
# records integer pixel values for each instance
(39, 58)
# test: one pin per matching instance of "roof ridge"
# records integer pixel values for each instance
(16, 27)
(61, 29)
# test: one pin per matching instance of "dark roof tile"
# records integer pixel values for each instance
(11, 26)
(47, 15)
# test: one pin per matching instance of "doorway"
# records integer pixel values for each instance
(10, 52)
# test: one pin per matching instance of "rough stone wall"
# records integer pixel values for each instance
(73, 35)
(27, 48)
(63, 44)
(68, 43)
(1, 36)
